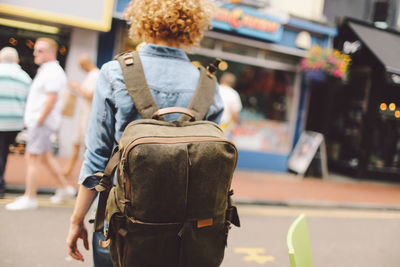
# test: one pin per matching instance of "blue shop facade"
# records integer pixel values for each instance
(264, 52)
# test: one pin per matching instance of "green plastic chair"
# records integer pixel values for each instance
(298, 242)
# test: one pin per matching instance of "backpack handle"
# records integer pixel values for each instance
(161, 112)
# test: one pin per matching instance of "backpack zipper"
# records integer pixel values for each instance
(172, 140)
(164, 140)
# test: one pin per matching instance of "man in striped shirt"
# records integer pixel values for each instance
(14, 89)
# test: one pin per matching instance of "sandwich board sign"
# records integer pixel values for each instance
(309, 144)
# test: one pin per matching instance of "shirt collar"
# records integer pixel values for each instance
(161, 50)
(48, 63)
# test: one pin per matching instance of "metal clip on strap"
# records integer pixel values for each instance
(128, 59)
(104, 188)
(104, 244)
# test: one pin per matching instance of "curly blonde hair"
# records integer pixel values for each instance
(177, 22)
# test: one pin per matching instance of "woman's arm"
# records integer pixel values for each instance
(99, 145)
(77, 227)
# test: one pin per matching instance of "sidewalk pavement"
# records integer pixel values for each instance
(265, 188)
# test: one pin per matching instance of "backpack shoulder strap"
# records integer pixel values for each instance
(203, 96)
(136, 84)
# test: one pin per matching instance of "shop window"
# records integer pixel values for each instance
(342, 110)
(385, 145)
(23, 41)
(385, 150)
(267, 97)
(363, 131)
(266, 124)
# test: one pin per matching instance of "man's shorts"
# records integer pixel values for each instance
(38, 140)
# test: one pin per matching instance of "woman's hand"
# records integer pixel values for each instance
(77, 230)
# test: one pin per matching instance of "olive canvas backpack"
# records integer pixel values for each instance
(171, 205)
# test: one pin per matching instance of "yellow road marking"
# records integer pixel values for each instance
(255, 254)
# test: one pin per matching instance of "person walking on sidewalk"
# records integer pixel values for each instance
(43, 118)
(85, 90)
(172, 26)
(14, 89)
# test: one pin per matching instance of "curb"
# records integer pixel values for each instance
(20, 189)
(316, 205)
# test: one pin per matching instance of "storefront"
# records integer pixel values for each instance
(23, 22)
(260, 50)
(12, 33)
(364, 138)
(75, 29)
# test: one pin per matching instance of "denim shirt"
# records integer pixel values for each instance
(172, 80)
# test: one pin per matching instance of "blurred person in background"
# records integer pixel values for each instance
(232, 103)
(86, 91)
(14, 89)
(42, 119)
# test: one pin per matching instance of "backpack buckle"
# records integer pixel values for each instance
(128, 59)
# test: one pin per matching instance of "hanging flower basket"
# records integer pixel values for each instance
(321, 63)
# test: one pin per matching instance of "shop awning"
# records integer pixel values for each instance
(89, 14)
(385, 45)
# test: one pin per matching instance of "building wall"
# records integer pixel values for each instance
(359, 9)
(308, 9)
(362, 10)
